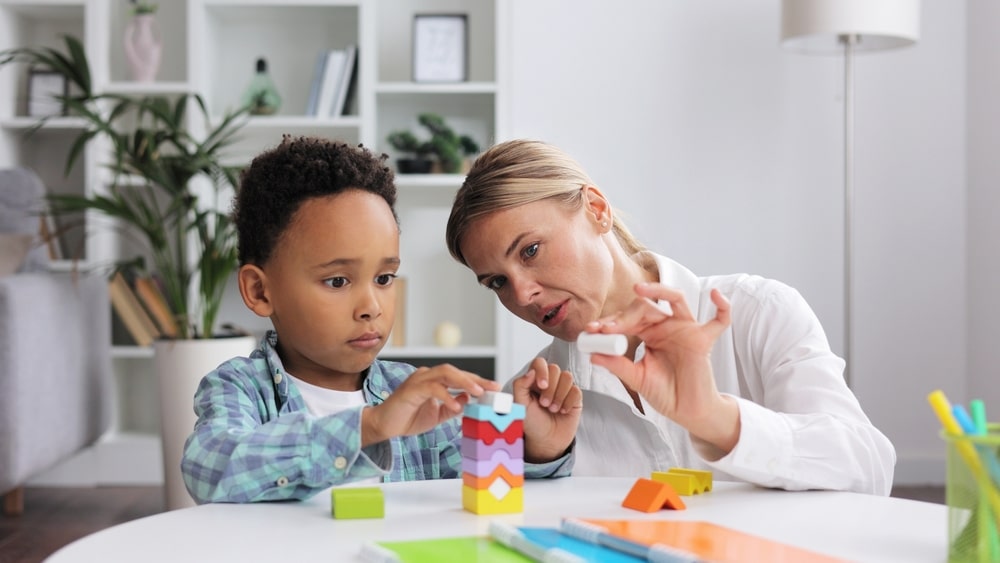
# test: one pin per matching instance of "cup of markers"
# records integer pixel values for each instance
(972, 487)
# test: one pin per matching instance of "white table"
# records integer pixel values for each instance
(847, 525)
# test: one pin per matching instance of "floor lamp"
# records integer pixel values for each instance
(847, 27)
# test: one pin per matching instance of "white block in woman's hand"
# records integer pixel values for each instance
(609, 344)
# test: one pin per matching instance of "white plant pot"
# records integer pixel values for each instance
(180, 367)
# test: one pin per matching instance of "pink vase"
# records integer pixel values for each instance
(143, 46)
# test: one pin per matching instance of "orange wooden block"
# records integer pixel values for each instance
(500, 472)
(649, 496)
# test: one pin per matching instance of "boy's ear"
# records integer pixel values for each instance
(253, 290)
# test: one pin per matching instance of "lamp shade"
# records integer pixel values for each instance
(816, 26)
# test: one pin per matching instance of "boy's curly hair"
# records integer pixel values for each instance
(278, 180)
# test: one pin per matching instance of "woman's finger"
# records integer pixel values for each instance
(723, 316)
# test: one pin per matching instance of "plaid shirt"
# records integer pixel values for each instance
(255, 440)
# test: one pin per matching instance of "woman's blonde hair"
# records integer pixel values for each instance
(515, 173)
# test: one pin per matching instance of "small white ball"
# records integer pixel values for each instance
(447, 335)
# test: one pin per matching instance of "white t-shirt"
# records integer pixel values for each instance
(321, 401)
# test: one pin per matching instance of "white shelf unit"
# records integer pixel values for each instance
(210, 48)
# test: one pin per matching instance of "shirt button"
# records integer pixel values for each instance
(277, 378)
(384, 394)
(282, 481)
(340, 462)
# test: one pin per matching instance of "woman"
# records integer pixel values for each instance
(735, 376)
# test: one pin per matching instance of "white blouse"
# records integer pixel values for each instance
(801, 426)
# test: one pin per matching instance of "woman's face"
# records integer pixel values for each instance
(547, 264)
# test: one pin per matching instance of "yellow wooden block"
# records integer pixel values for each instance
(685, 481)
(482, 501)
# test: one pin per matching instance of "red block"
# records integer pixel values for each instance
(483, 430)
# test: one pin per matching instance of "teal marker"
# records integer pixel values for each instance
(979, 415)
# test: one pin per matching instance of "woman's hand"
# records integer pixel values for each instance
(422, 402)
(552, 403)
(675, 374)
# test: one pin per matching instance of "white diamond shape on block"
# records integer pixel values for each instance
(499, 488)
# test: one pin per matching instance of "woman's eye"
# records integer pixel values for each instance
(496, 283)
(336, 282)
(385, 279)
(530, 251)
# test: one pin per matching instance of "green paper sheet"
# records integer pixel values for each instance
(471, 549)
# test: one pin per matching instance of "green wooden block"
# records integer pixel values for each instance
(357, 502)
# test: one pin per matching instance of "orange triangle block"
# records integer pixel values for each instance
(649, 496)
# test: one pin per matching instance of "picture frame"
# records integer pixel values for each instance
(44, 87)
(440, 48)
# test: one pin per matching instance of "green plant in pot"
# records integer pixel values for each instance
(165, 182)
(448, 148)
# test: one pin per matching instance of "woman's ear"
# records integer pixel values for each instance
(253, 290)
(597, 207)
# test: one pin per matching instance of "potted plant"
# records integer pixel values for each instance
(164, 186)
(154, 159)
(447, 147)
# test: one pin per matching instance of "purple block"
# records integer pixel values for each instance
(486, 467)
(477, 449)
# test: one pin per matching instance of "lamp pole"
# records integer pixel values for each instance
(849, 41)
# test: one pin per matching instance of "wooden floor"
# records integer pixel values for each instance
(54, 517)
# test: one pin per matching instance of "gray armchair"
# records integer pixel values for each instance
(55, 352)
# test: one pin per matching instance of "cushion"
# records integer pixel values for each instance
(14, 249)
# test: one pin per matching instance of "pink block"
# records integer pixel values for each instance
(485, 467)
(477, 449)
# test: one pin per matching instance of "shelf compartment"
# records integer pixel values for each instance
(171, 18)
(470, 114)
(394, 21)
(234, 37)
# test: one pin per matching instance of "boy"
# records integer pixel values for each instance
(312, 407)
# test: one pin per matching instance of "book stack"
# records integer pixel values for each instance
(334, 82)
(142, 308)
(493, 455)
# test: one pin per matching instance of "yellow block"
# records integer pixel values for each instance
(482, 501)
(685, 481)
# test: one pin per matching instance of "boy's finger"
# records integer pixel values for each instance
(561, 392)
(547, 394)
(573, 401)
(522, 388)
(540, 366)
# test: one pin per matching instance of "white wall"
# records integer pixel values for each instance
(983, 202)
(725, 153)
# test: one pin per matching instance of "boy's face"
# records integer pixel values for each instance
(329, 287)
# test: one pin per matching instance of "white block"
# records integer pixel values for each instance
(500, 402)
(610, 344)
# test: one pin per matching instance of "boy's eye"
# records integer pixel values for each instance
(336, 282)
(385, 279)
(530, 251)
(496, 284)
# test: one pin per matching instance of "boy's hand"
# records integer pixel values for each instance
(421, 403)
(553, 403)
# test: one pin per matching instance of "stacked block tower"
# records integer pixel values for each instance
(493, 455)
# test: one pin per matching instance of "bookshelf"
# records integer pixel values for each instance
(210, 47)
